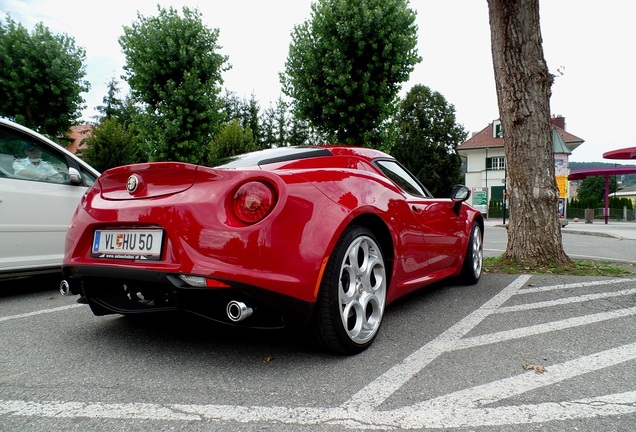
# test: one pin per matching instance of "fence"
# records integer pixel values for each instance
(496, 211)
(616, 214)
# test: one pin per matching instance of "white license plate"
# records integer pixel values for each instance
(140, 244)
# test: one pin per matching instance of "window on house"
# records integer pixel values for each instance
(496, 163)
(496, 129)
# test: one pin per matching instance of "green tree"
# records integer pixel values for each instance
(174, 71)
(41, 78)
(593, 187)
(112, 104)
(275, 124)
(281, 120)
(231, 141)
(427, 137)
(346, 64)
(251, 119)
(110, 144)
(246, 112)
(115, 139)
(231, 106)
(387, 136)
(268, 128)
(280, 127)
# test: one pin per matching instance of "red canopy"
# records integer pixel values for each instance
(611, 171)
(625, 153)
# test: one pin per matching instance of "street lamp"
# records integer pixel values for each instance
(505, 195)
(487, 194)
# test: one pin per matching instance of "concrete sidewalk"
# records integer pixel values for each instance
(623, 230)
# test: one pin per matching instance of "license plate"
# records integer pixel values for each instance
(139, 244)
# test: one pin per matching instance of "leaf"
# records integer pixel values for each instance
(537, 368)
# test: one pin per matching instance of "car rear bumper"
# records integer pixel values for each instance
(140, 291)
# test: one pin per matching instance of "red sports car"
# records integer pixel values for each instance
(322, 236)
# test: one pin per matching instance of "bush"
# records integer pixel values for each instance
(495, 208)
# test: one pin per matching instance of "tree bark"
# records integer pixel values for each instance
(523, 85)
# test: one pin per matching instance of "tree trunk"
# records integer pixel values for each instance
(523, 91)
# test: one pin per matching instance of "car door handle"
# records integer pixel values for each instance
(416, 209)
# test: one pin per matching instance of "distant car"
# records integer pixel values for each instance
(41, 184)
(319, 236)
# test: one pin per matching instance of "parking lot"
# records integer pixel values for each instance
(515, 352)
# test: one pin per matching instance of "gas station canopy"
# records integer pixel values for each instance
(626, 153)
(581, 174)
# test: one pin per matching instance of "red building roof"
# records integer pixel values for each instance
(77, 135)
(485, 137)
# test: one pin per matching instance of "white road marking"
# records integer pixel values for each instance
(40, 312)
(496, 391)
(540, 289)
(567, 300)
(59, 409)
(470, 407)
(456, 417)
(385, 385)
(541, 328)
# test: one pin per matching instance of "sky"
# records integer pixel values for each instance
(592, 43)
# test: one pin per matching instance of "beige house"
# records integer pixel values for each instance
(485, 162)
(628, 192)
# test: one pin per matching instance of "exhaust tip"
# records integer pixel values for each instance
(65, 288)
(238, 311)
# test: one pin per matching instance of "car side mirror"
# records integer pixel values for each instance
(459, 193)
(74, 176)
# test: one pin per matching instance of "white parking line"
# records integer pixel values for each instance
(574, 285)
(602, 406)
(384, 386)
(59, 409)
(40, 312)
(534, 330)
(567, 300)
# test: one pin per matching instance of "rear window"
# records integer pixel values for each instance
(275, 155)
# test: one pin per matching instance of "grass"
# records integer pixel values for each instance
(577, 268)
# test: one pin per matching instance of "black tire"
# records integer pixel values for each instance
(352, 296)
(473, 261)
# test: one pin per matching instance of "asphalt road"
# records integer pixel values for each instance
(512, 353)
(615, 242)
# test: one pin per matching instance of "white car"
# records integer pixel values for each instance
(41, 184)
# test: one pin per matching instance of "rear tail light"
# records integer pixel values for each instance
(253, 201)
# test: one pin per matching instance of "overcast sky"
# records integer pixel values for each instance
(592, 42)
